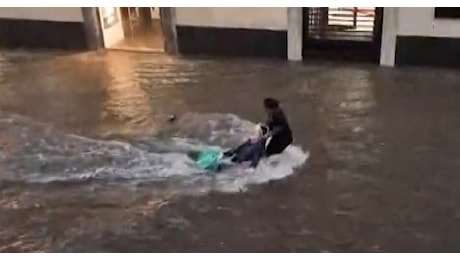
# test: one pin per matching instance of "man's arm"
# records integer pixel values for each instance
(276, 123)
(276, 130)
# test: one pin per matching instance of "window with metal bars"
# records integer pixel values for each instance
(341, 23)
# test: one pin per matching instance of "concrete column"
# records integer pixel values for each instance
(389, 33)
(168, 24)
(294, 33)
(92, 25)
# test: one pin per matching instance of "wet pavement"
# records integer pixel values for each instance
(382, 174)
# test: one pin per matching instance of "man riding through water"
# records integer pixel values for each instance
(276, 132)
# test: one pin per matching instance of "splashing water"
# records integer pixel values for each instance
(42, 154)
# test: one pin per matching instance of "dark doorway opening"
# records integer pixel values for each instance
(342, 33)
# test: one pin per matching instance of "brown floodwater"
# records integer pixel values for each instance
(382, 174)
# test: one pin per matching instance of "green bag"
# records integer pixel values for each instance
(209, 160)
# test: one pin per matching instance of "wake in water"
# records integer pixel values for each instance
(41, 154)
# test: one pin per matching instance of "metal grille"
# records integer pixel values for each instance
(341, 23)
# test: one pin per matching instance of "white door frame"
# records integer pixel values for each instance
(95, 36)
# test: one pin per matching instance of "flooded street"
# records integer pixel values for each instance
(90, 163)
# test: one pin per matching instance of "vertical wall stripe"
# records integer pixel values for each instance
(92, 28)
(294, 35)
(389, 33)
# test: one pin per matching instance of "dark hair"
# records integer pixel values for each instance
(264, 130)
(271, 103)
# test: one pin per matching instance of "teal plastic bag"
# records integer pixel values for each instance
(209, 160)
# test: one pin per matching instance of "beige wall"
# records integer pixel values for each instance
(64, 14)
(271, 18)
(420, 21)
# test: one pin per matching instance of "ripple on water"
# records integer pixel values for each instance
(45, 155)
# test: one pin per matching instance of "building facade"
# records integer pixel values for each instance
(388, 36)
(27, 27)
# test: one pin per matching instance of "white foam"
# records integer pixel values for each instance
(273, 168)
(67, 158)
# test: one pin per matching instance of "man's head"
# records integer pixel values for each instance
(271, 104)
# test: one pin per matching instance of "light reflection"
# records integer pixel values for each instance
(135, 95)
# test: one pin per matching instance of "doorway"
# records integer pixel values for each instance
(132, 28)
(343, 33)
